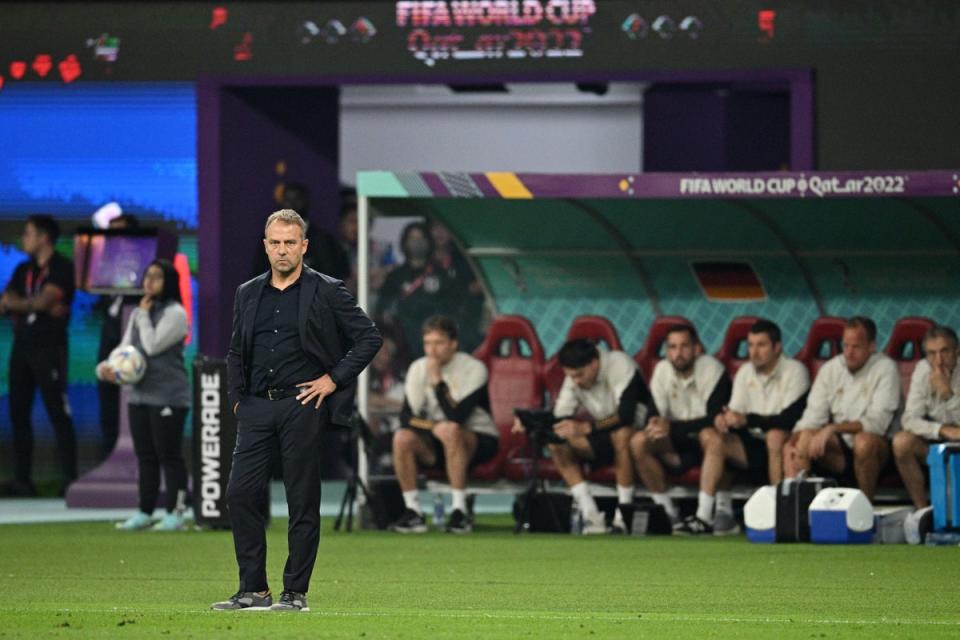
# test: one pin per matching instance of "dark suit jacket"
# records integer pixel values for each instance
(333, 330)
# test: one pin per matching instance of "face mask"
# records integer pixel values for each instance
(418, 249)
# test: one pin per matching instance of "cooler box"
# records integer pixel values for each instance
(760, 515)
(841, 516)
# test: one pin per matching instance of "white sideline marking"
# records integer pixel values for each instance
(615, 617)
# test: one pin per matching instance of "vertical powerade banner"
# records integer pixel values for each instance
(214, 435)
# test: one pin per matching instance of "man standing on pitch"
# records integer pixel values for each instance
(38, 299)
(299, 341)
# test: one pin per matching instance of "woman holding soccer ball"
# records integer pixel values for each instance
(158, 401)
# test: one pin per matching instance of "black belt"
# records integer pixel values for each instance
(278, 394)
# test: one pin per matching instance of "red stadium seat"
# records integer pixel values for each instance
(824, 341)
(733, 349)
(595, 328)
(514, 357)
(652, 350)
(906, 345)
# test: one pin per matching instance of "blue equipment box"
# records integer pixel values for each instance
(944, 463)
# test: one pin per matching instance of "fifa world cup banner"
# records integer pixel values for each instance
(214, 435)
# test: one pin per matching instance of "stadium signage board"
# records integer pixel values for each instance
(807, 184)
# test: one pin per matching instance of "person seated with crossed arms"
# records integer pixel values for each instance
(445, 424)
(769, 396)
(850, 412)
(932, 414)
(690, 388)
(609, 388)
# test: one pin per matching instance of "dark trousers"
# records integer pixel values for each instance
(158, 442)
(43, 366)
(109, 397)
(262, 426)
(109, 394)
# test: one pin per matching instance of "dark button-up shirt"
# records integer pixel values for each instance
(40, 328)
(279, 361)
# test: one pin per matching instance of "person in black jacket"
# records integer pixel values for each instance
(299, 341)
(416, 290)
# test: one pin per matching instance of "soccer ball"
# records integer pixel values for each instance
(128, 364)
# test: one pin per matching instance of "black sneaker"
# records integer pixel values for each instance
(459, 522)
(692, 526)
(244, 600)
(291, 601)
(410, 522)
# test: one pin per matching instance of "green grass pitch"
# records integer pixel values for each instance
(87, 580)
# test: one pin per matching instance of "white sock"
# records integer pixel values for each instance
(724, 502)
(411, 499)
(666, 502)
(705, 505)
(588, 506)
(625, 494)
(459, 499)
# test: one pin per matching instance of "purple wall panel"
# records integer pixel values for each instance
(722, 127)
(237, 194)
(210, 272)
(683, 129)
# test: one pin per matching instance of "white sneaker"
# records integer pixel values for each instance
(170, 522)
(594, 526)
(913, 530)
(137, 522)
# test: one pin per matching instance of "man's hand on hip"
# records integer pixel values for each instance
(319, 389)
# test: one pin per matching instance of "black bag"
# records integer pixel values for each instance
(385, 505)
(648, 518)
(548, 512)
(794, 496)
(643, 517)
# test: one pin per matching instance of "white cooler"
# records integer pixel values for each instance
(760, 515)
(840, 515)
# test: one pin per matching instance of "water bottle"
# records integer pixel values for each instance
(438, 516)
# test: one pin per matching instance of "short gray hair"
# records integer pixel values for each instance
(940, 331)
(286, 216)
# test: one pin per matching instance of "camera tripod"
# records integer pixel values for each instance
(536, 487)
(359, 434)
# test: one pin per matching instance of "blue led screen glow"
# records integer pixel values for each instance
(67, 151)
